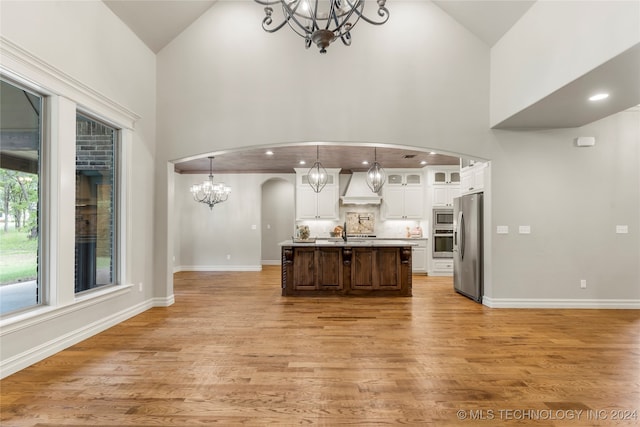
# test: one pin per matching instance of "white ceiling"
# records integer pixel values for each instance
(157, 22)
(488, 20)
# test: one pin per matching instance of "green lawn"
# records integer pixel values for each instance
(18, 257)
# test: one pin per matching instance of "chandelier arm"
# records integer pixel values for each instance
(290, 15)
(383, 12)
(314, 16)
(332, 13)
(340, 27)
(268, 20)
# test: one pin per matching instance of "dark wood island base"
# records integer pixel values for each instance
(346, 269)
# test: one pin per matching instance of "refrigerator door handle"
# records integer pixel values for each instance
(462, 236)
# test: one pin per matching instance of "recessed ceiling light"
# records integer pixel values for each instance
(364, 162)
(302, 162)
(423, 162)
(269, 153)
(599, 97)
(432, 152)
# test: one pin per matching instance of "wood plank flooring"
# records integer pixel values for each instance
(232, 351)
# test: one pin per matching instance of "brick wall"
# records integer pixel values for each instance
(94, 210)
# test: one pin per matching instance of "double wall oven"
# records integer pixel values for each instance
(442, 233)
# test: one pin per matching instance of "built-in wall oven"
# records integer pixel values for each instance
(442, 233)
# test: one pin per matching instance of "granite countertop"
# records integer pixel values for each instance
(353, 242)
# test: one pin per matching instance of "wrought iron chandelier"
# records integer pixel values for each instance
(320, 21)
(376, 176)
(317, 175)
(209, 193)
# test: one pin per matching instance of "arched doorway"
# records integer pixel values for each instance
(277, 217)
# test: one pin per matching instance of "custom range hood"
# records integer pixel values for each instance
(358, 192)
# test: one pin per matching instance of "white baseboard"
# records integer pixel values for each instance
(439, 274)
(560, 303)
(49, 348)
(271, 262)
(163, 302)
(218, 268)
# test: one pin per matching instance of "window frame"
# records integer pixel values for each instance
(117, 249)
(43, 291)
(63, 97)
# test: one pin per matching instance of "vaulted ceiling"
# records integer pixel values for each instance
(157, 22)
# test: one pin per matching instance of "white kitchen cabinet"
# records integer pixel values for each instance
(312, 205)
(419, 256)
(444, 175)
(413, 178)
(472, 178)
(444, 185)
(443, 195)
(403, 195)
(441, 267)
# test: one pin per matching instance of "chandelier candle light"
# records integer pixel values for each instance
(317, 175)
(209, 193)
(376, 176)
(320, 21)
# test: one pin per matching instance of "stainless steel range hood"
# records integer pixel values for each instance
(358, 192)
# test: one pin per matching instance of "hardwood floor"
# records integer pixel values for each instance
(232, 351)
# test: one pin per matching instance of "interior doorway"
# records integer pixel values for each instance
(278, 218)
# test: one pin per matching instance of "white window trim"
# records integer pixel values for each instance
(65, 96)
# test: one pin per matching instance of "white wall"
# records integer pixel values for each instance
(572, 198)
(207, 237)
(101, 57)
(554, 43)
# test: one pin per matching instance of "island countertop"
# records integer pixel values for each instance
(357, 242)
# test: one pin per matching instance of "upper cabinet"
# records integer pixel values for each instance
(312, 205)
(403, 195)
(444, 184)
(412, 178)
(472, 178)
(445, 177)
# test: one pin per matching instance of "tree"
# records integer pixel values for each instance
(19, 198)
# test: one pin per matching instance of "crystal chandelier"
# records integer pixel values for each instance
(376, 176)
(320, 21)
(317, 175)
(209, 193)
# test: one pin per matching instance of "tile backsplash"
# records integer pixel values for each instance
(384, 229)
(360, 222)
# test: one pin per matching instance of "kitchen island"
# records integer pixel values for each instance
(355, 267)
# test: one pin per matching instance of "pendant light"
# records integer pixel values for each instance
(317, 175)
(376, 176)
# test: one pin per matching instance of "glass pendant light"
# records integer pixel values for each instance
(317, 175)
(376, 176)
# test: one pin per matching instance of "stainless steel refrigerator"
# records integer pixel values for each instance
(467, 246)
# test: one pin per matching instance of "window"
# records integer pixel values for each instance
(96, 208)
(20, 163)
